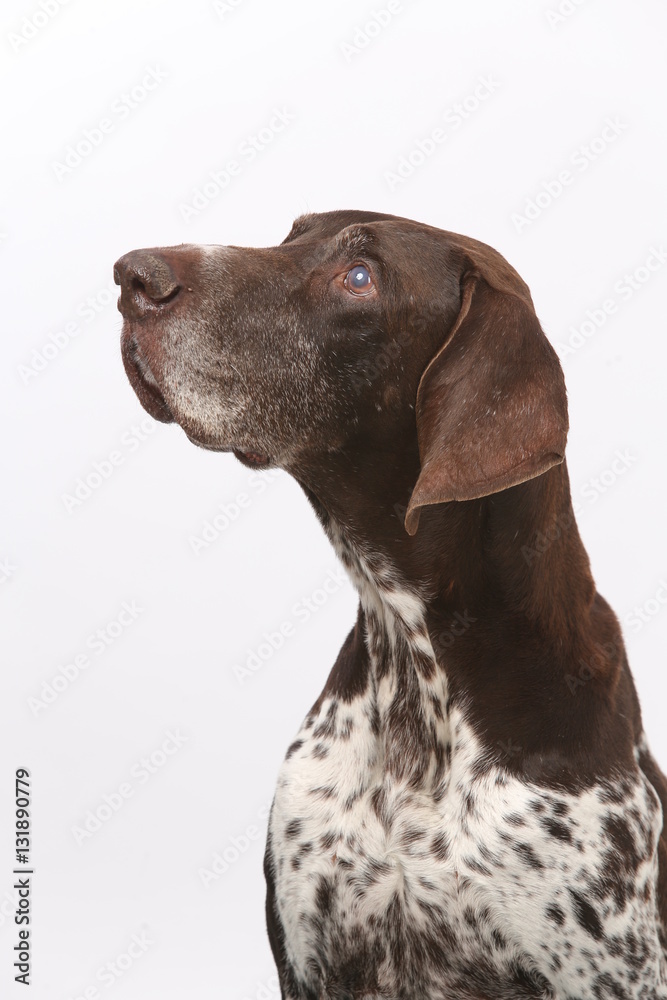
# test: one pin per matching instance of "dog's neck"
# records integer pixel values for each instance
(491, 599)
(517, 553)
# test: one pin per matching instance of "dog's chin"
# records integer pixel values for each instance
(143, 381)
(251, 459)
(151, 398)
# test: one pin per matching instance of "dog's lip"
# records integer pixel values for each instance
(147, 388)
(143, 380)
(252, 459)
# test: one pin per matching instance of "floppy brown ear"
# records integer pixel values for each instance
(491, 406)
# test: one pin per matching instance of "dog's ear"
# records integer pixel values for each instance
(491, 406)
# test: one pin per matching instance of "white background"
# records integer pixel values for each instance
(67, 569)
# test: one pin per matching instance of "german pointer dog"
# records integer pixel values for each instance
(470, 810)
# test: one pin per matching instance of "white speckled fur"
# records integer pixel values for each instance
(453, 846)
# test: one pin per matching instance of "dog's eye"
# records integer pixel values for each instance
(358, 280)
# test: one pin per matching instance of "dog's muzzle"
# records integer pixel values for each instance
(148, 288)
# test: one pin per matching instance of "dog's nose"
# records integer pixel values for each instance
(147, 283)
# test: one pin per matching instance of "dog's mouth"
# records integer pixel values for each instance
(147, 388)
(143, 381)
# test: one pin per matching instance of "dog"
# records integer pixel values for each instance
(470, 810)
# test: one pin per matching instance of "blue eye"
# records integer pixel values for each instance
(358, 280)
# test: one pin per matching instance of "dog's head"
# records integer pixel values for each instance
(360, 332)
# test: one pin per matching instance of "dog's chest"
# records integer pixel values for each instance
(407, 866)
(469, 876)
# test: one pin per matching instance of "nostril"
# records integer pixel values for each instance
(157, 292)
(171, 296)
(147, 281)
